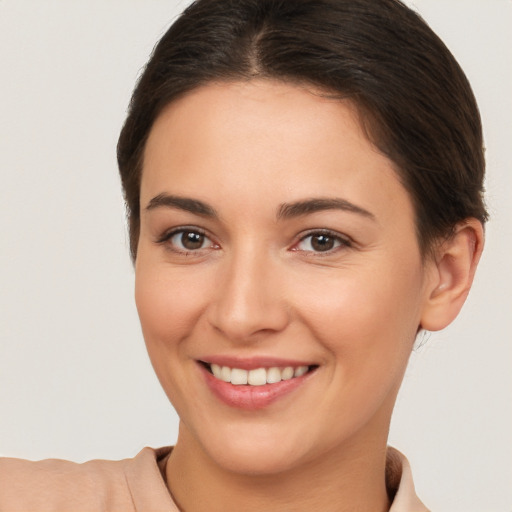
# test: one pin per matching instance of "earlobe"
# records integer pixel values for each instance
(452, 275)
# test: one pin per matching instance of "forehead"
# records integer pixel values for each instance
(265, 139)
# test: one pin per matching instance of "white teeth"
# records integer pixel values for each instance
(238, 376)
(257, 377)
(287, 373)
(216, 370)
(273, 375)
(300, 371)
(225, 374)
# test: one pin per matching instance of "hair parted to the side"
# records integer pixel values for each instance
(414, 100)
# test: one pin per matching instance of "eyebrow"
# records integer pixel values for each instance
(182, 203)
(285, 211)
(307, 206)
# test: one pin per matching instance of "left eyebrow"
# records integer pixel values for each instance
(182, 203)
(307, 206)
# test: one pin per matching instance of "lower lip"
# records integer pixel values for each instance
(251, 397)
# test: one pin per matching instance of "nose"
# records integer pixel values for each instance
(250, 299)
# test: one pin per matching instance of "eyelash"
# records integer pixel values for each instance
(341, 242)
(166, 237)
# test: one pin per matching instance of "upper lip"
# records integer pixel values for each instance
(251, 363)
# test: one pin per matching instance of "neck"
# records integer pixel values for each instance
(346, 480)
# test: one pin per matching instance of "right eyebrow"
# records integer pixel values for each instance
(182, 203)
(312, 205)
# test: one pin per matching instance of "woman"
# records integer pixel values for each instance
(304, 190)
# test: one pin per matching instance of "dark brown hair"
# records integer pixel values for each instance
(414, 100)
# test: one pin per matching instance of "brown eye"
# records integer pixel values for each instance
(191, 240)
(188, 240)
(321, 242)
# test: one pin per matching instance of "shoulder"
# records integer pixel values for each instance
(97, 485)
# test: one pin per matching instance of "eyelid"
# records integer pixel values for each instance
(345, 241)
(169, 233)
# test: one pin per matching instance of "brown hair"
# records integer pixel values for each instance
(414, 100)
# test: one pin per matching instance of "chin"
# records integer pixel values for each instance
(253, 451)
(256, 459)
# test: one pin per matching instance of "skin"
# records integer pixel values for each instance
(257, 287)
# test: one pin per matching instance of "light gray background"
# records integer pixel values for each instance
(75, 380)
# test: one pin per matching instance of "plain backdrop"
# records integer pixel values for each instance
(75, 380)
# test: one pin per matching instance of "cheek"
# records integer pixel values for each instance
(169, 308)
(168, 304)
(367, 321)
(369, 332)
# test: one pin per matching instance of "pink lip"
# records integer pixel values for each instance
(251, 363)
(252, 397)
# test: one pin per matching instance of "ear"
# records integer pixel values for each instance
(452, 272)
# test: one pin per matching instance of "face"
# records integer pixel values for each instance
(278, 278)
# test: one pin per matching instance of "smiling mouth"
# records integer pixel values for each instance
(257, 376)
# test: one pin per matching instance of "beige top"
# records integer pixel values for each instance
(130, 485)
